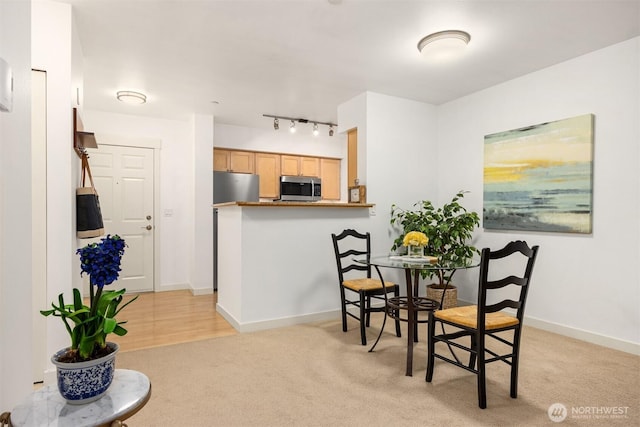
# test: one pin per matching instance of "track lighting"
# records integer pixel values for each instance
(292, 126)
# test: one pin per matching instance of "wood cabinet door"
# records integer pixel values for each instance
(290, 165)
(310, 166)
(221, 160)
(268, 168)
(242, 162)
(330, 174)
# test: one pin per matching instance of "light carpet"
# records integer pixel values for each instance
(316, 375)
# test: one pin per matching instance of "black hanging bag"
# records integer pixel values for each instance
(88, 214)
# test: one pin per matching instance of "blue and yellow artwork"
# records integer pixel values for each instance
(539, 178)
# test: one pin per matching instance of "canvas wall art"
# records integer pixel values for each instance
(539, 178)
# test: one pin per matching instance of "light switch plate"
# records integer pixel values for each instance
(6, 87)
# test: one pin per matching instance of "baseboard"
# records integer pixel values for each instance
(591, 337)
(201, 291)
(173, 287)
(276, 323)
(50, 376)
(580, 334)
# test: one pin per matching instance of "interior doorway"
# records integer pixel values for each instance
(352, 157)
(39, 219)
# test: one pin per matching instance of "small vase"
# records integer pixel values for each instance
(84, 382)
(415, 251)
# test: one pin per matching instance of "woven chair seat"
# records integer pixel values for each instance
(468, 316)
(366, 284)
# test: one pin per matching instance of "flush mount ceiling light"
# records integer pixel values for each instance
(443, 44)
(292, 126)
(131, 97)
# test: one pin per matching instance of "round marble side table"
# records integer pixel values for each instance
(128, 393)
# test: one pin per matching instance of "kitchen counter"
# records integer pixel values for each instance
(276, 265)
(295, 204)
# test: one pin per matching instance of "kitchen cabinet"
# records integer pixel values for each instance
(233, 161)
(299, 165)
(268, 168)
(330, 174)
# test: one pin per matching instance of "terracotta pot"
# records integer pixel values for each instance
(85, 382)
(435, 292)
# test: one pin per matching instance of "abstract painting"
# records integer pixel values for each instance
(539, 178)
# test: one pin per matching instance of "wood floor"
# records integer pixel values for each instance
(162, 318)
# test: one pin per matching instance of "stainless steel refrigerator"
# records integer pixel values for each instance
(230, 187)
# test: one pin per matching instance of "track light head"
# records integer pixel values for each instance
(276, 124)
(315, 129)
(292, 127)
(330, 130)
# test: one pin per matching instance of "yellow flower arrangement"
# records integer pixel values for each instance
(415, 238)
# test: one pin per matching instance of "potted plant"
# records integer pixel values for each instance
(85, 369)
(448, 229)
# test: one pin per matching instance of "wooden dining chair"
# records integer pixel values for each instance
(359, 289)
(482, 322)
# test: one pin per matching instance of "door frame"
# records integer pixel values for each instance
(156, 145)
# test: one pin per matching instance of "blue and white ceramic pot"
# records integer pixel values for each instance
(85, 382)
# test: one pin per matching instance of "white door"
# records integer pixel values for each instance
(123, 177)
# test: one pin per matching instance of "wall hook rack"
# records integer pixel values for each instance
(82, 139)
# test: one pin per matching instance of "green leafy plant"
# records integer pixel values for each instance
(448, 229)
(88, 326)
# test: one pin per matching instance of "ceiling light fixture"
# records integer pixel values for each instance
(443, 44)
(292, 127)
(131, 97)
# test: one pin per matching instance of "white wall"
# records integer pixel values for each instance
(281, 141)
(15, 209)
(52, 45)
(397, 140)
(581, 283)
(202, 227)
(176, 186)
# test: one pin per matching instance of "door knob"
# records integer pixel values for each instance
(148, 217)
(148, 227)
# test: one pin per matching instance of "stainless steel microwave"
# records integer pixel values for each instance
(300, 188)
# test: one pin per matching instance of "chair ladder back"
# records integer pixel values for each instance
(341, 257)
(511, 248)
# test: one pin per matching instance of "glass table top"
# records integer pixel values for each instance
(422, 263)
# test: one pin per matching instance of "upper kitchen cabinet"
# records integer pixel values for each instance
(233, 161)
(330, 174)
(300, 165)
(268, 168)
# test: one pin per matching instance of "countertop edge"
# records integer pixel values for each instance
(294, 205)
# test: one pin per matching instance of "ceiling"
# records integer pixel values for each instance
(239, 59)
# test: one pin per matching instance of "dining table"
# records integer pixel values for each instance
(412, 302)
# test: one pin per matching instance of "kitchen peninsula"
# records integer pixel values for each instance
(276, 265)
